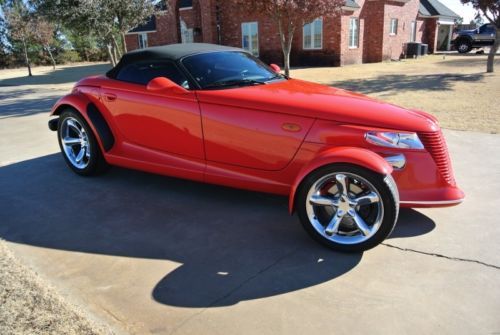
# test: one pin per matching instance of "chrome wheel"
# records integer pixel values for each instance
(344, 208)
(75, 142)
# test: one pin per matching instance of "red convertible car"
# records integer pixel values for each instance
(219, 115)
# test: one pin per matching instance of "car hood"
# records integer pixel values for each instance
(308, 99)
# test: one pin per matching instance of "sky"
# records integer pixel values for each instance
(466, 11)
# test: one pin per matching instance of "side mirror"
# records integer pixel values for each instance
(275, 68)
(162, 84)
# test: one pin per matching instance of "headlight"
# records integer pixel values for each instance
(394, 140)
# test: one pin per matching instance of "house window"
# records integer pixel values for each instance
(413, 31)
(187, 35)
(143, 40)
(185, 4)
(313, 34)
(353, 32)
(250, 37)
(394, 27)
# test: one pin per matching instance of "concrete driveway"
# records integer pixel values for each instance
(155, 255)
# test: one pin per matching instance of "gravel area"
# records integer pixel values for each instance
(28, 305)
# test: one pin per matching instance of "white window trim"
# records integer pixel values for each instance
(413, 32)
(391, 33)
(250, 39)
(357, 33)
(144, 38)
(141, 32)
(312, 35)
(185, 8)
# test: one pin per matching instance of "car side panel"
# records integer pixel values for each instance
(251, 138)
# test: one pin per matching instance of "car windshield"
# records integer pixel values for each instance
(217, 70)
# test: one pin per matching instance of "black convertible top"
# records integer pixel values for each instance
(172, 52)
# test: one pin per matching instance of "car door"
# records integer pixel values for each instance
(165, 122)
(486, 33)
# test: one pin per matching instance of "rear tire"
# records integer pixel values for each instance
(348, 208)
(78, 144)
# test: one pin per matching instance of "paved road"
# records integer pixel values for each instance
(149, 254)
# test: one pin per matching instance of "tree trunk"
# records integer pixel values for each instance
(110, 54)
(86, 54)
(286, 54)
(490, 67)
(124, 43)
(26, 58)
(291, 30)
(47, 47)
(286, 44)
(117, 49)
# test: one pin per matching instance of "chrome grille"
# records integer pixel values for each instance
(435, 144)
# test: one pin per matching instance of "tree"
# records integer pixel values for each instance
(490, 9)
(106, 20)
(21, 26)
(44, 34)
(288, 15)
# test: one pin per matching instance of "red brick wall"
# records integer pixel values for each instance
(231, 17)
(394, 45)
(329, 54)
(208, 9)
(373, 15)
(430, 35)
(375, 42)
(166, 33)
(132, 41)
(352, 55)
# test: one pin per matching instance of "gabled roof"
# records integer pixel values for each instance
(434, 8)
(150, 25)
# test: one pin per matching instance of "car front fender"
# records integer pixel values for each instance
(349, 155)
(76, 101)
(87, 109)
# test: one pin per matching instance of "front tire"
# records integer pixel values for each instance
(78, 144)
(348, 208)
(464, 46)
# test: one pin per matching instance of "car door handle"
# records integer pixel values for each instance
(109, 96)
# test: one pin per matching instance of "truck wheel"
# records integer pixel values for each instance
(464, 46)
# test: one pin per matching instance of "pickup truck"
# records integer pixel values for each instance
(466, 40)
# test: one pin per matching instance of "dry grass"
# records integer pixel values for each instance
(29, 306)
(454, 88)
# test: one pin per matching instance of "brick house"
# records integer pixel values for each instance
(365, 31)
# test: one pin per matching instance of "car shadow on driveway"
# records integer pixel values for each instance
(233, 245)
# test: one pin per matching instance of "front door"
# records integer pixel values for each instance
(157, 121)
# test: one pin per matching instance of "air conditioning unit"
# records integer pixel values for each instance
(424, 49)
(413, 50)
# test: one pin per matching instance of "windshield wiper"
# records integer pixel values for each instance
(239, 82)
